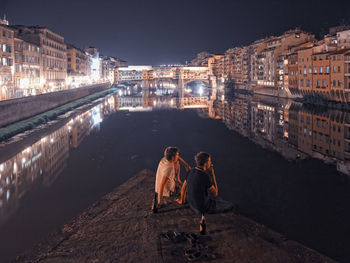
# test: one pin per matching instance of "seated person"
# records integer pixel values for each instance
(198, 185)
(168, 174)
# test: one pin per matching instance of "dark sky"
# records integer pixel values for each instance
(161, 31)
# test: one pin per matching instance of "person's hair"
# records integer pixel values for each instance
(201, 158)
(170, 152)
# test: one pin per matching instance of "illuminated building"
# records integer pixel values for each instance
(27, 68)
(53, 65)
(94, 64)
(6, 62)
(321, 73)
(339, 70)
(305, 68)
(77, 67)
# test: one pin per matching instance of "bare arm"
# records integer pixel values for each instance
(161, 189)
(214, 188)
(177, 171)
(183, 193)
(187, 167)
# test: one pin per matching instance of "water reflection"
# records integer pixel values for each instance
(294, 131)
(44, 160)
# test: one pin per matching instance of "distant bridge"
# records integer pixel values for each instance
(177, 76)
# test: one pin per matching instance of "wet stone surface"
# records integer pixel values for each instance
(120, 227)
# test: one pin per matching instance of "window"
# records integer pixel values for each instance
(308, 119)
(321, 69)
(327, 69)
(3, 48)
(302, 118)
(324, 124)
(338, 68)
(310, 69)
(315, 70)
(304, 70)
(334, 69)
(323, 83)
(318, 122)
(334, 83)
(302, 83)
(318, 84)
(320, 58)
(339, 83)
(308, 83)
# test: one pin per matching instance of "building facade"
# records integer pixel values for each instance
(6, 62)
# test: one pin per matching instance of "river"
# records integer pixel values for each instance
(283, 164)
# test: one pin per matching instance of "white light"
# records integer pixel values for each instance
(96, 116)
(15, 167)
(23, 160)
(1, 168)
(223, 97)
(24, 83)
(200, 91)
(51, 140)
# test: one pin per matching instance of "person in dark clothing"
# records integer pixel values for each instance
(201, 190)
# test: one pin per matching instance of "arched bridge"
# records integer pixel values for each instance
(177, 75)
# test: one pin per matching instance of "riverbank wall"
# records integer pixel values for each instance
(15, 110)
(120, 227)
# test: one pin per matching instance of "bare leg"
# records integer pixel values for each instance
(202, 226)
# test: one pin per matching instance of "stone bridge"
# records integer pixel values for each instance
(177, 76)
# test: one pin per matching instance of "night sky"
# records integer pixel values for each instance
(162, 32)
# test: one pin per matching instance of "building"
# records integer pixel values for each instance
(53, 64)
(77, 66)
(6, 61)
(321, 73)
(340, 75)
(27, 79)
(94, 64)
(306, 66)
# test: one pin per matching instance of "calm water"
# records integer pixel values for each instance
(283, 164)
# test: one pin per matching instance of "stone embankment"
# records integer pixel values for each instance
(15, 110)
(121, 228)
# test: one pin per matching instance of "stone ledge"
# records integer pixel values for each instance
(121, 228)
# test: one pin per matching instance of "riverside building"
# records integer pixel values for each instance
(6, 61)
